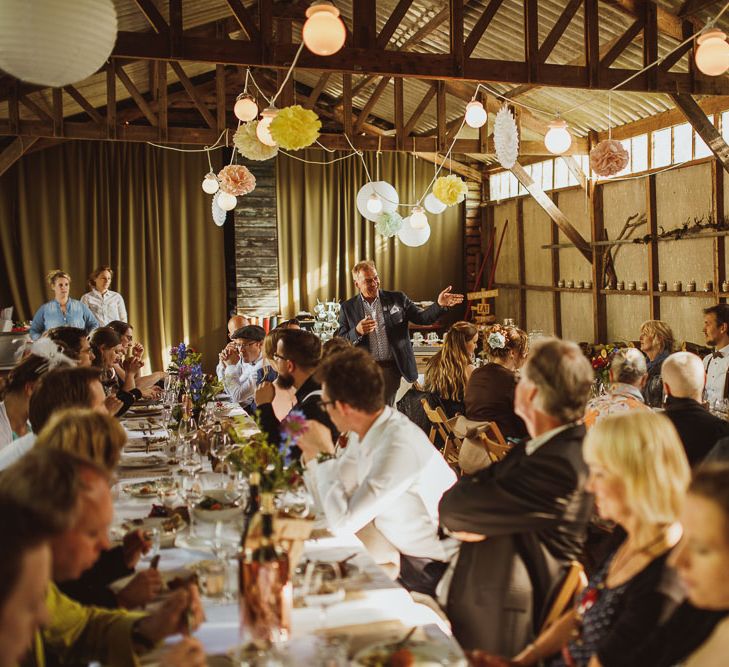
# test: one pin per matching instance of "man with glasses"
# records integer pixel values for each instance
(377, 320)
(244, 366)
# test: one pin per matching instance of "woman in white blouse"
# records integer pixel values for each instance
(105, 304)
(15, 394)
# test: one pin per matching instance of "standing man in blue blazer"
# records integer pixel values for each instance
(378, 320)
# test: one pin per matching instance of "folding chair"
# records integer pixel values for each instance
(442, 427)
(574, 582)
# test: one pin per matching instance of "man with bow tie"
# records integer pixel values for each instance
(716, 331)
(377, 320)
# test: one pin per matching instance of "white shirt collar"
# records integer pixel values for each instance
(535, 443)
(371, 431)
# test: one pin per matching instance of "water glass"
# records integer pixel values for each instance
(153, 536)
(323, 587)
(192, 493)
(212, 577)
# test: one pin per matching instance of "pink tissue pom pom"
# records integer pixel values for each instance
(237, 180)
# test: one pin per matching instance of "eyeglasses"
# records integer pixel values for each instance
(253, 342)
(324, 404)
(278, 357)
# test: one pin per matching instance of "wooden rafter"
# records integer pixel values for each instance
(691, 7)
(374, 97)
(393, 22)
(153, 15)
(419, 110)
(12, 153)
(474, 37)
(700, 122)
(318, 89)
(136, 96)
(192, 92)
(622, 43)
(84, 104)
(558, 30)
(245, 20)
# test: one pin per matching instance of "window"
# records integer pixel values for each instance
(639, 153)
(547, 174)
(561, 174)
(700, 147)
(661, 148)
(682, 143)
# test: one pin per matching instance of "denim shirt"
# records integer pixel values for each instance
(50, 315)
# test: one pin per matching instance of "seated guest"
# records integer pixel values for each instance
(108, 351)
(289, 324)
(716, 331)
(285, 397)
(77, 492)
(656, 342)
(683, 379)
(132, 349)
(490, 390)
(639, 475)
(244, 366)
(15, 393)
(450, 368)
(61, 310)
(234, 323)
(75, 343)
(628, 373)
(100, 438)
(523, 519)
(105, 304)
(297, 356)
(389, 473)
(57, 389)
(334, 345)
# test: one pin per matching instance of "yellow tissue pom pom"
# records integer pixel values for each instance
(294, 127)
(249, 145)
(450, 189)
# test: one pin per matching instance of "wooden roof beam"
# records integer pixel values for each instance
(393, 22)
(193, 93)
(668, 23)
(12, 153)
(153, 16)
(374, 97)
(691, 7)
(245, 20)
(700, 122)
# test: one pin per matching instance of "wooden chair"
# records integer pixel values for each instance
(573, 584)
(493, 442)
(442, 427)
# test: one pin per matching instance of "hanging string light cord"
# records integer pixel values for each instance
(217, 145)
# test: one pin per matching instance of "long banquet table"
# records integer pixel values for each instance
(375, 608)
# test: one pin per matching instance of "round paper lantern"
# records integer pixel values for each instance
(387, 194)
(506, 138)
(558, 139)
(245, 108)
(413, 237)
(218, 213)
(263, 131)
(226, 202)
(608, 158)
(434, 205)
(418, 219)
(324, 32)
(374, 204)
(475, 114)
(54, 43)
(712, 52)
(210, 183)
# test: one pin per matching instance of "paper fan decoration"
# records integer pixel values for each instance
(249, 145)
(294, 127)
(506, 138)
(236, 180)
(450, 189)
(608, 158)
(218, 213)
(388, 224)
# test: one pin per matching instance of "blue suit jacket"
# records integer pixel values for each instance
(397, 310)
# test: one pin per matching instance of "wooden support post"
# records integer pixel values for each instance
(556, 295)
(265, 22)
(456, 35)
(650, 41)
(558, 30)
(597, 226)
(576, 170)
(531, 38)
(111, 100)
(420, 109)
(58, 112)
(176, 24)
(717, 212)
(152, 14)
(521, 263)
(653, 273)
(347, 103)
(592, 43)
(441, 115)
(220, 101)
(13, 152)
(319, 88)
(364, 28)
(399, 113)
(162, 99)
(483, 131)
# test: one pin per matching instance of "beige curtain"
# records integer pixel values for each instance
(137, 208)
(322, 235)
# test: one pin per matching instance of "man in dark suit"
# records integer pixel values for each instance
(683, 382)
(378, 321)
(524, 519)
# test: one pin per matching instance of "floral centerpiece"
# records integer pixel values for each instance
(279, 469)
(186, 365)
(601, 357)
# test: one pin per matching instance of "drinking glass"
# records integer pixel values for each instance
(323, 587)
(153, 536)
(226, 546)
(192, 493)
(169, 382)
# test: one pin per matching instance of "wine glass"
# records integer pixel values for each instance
(226, 546)
(323, 587)
(154, 537)
(192, 493)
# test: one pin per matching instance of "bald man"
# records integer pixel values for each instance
(683, 382)
(234, 323)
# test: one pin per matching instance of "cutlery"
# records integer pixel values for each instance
(406, 638)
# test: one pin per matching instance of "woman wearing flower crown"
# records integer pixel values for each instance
(639, 475)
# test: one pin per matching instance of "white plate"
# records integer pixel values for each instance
(153, 461)
(424, 654)
(167, 537)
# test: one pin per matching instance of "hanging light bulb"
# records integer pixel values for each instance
(263, 131)
(558, 139)
(475, 114)
(418, 219)
(374, 203)
(226, 201)
(245, 108)
(210, 183)
(324, 32)
(712, 52)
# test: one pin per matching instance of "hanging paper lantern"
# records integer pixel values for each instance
(433, 204)
(249, 145)
(387, 194)
(506, 138)
(226, 201)
(608, 158)
(237, 180)
(476, 115)
(374, 204)
(219, 214)
(450, 189)
(210, 183)
(413, 237)
(418, 219)
(263, 129)
(712, 52)
(388, 224)
(295, 128)
(324, 32)
(54, 43)
(557, 139)
(245, 108)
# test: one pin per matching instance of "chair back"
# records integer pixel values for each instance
(493, 442)
(442, 427)
(573, 584)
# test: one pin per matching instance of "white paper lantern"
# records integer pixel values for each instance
(227, 202)
(245, 108)
(475, 114)
(55, 42)
(712, 52)
(418, 219)
(434, 205)
(413, 237)
(387, 194)
(558, 139)
(219, 214)
(210, 183)
(374, 204)
(506, 138)
(263, 131)
(324, 32)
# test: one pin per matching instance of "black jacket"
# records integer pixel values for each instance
(398, 311)
(92, 588)
(698, 429)
(534, 512)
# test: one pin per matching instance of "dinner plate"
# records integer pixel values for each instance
(153, 461)
(143, 411)
(424, 654)
(167, 528)
(146, 488)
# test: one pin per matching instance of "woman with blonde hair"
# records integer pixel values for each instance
(656, 342)
(639, 475)
(62, 310)
(450, 368)
(105, 304)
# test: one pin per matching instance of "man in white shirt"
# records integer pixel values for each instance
(716, 331)
(244, 366)
(234, 323)
(389, 474)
